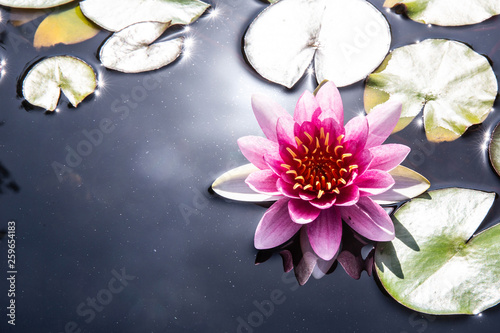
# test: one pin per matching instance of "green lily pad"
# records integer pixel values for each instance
(494, 149)
(435, 265)
(115, 15)
(347, 39)
(448, 12)
(130, 51)
(33, 3)
(43, 84)
(454, 85)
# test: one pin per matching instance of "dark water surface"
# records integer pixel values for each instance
(130, 240)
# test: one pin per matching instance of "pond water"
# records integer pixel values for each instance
(129, 239)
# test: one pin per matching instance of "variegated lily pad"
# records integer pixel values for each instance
(494, 149)
(33, 3)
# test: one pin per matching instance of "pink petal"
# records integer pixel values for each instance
(307, 195)
(255, 147)
(284, 131)
(305, 108)
(369, 220)
(330, 102)
(356, 134)
(286, 189)
(302, 212)
(267, 113)
(389, 156)
(275, 227)
(348, 196)
(374, 182)
(273, 161)
(363, 160)
(263, 181)
(325, 233)
(382, 120)
(326, 201)
(309, 259)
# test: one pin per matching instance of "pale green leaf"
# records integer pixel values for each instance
(448, 12)
(130, 51)
(115, 15)
(346, 39)
(43, 83)
(33, 3)
(454, 85)
(408, 184)
(494, 149)
(435, 264)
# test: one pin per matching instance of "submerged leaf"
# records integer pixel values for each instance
(433, 265)
(346, 38)
(448, 12)
(46, 79)
(115, 15)
(67, 27)
(129, 50)
(494, 149)
(20, 16)
(455, 85)
(33, 3)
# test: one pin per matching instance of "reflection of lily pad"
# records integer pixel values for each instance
(495, 149)
(68, 26)
(346, 38)
(44, 82)
(115, 15)
(129, 50)
(448, 12)
(433, 265)
(455, 85)
(33, 3)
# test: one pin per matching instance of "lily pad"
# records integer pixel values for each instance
(448, 12)
(454, 85)
(67, 26)
(130, 51)
(494, 149)
(43, 84)
(33, 3)
(347, 39)
(115, 15)
(435, 264)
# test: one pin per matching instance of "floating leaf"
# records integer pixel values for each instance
(129, 50)
(44, 82)
(455, 85)
(448, 12)
(115, 15)
(433, 265)
(67, 26)
(346, 38)
(33, 3)
(495, 149)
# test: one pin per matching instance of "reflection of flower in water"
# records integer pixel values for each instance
(322, 172)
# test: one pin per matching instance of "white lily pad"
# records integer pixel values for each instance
(347, 39)
(33, 3)
(494, 149)
(455, 86)
(115, 15)
(43, 84)
(435, 264)
(130, 51)
(448, 12)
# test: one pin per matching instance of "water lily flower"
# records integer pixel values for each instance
(321, 171)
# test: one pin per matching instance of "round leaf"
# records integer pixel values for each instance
(495, 149)
(33, 3)
(115, 15)
(346, 38)
(129, 50)
(433, 265)
(44, 82)
(448, 12)
(455, 85)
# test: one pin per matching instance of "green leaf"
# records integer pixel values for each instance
(454, 85)
(115, 15)
(347, 39)
(433, 265)
(43, 83)
(33, 3)
(448, 12)
(130, 51)
(66, 26)
(494, 149)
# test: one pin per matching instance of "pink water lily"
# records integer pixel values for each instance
(321, 170)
